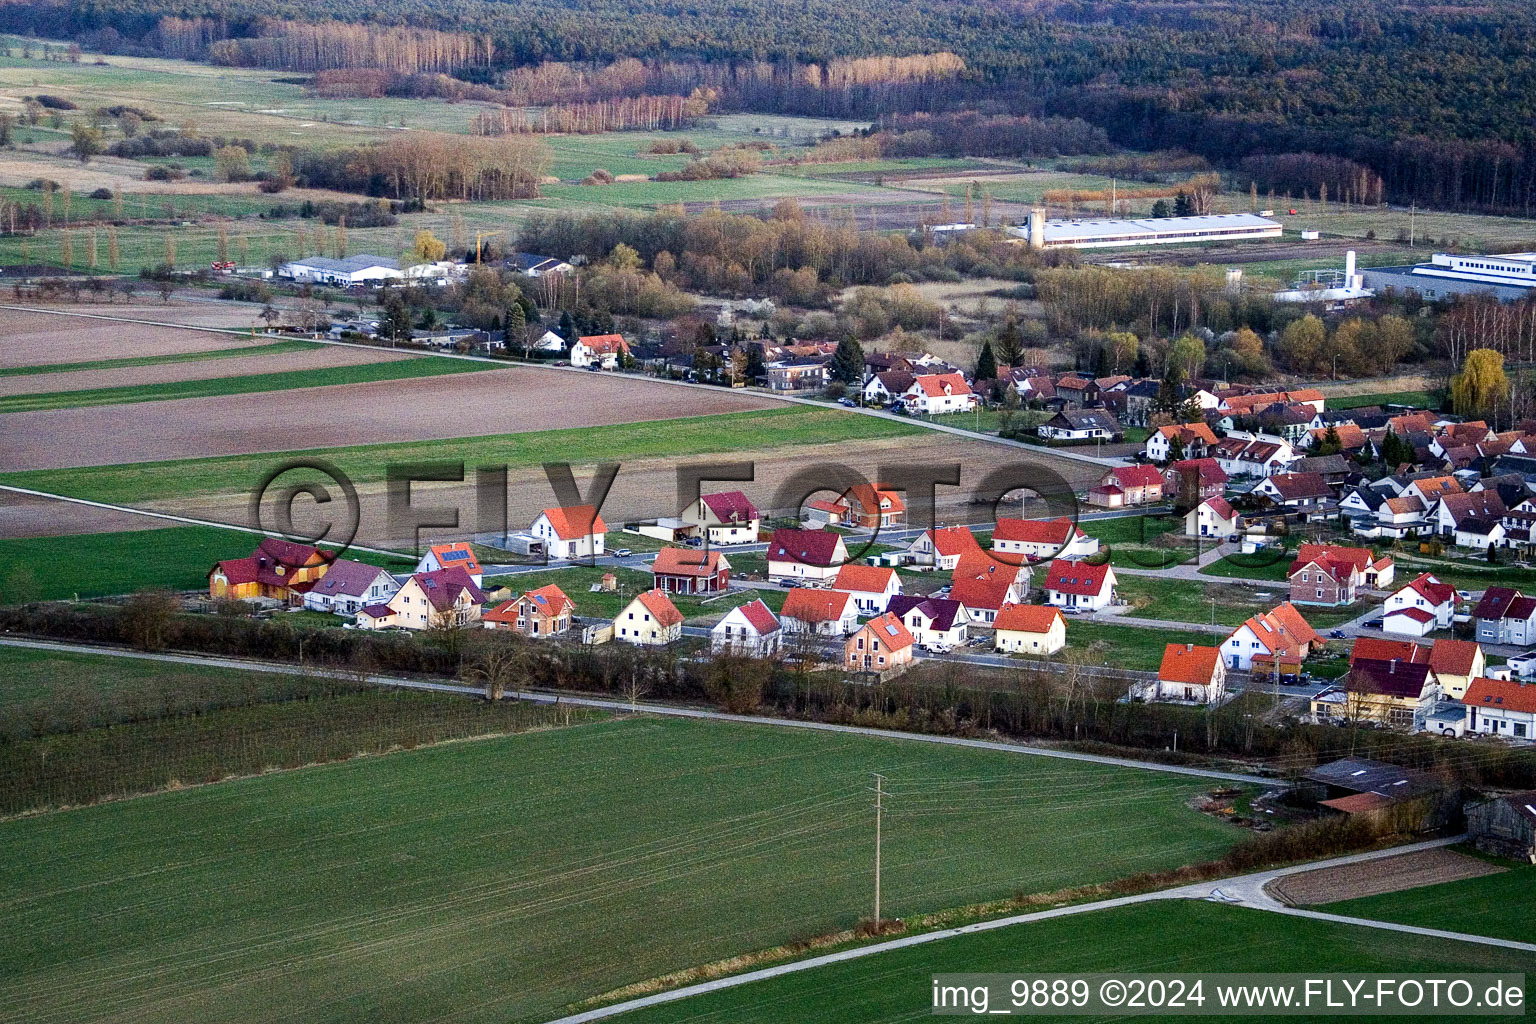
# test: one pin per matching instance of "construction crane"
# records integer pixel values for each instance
(482, 235)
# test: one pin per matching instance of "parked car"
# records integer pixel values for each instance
(850, 403)
(1338, 634)
(1375, 623)
(623, 552)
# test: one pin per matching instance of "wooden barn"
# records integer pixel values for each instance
(1505, 826)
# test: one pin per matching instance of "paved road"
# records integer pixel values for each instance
(646, 707)
(1243, 890)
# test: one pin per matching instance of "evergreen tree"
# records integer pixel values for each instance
(756, 368)
(1010, 343)
(1161, 209)
(1330, 444)
(848, 362)
(1183, 205)
(516, 327)
(567, 329)
(395, 323)
(1175, 448)
(986, 365)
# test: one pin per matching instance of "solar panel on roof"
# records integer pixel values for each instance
(890, 628)
(454, 556)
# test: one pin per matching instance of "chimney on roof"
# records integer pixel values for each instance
(1189, 648)
(1392, 667)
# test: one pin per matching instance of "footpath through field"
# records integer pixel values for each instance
(1244, 890)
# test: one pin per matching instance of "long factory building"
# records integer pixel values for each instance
(1110, 233)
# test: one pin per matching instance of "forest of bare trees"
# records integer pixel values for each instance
(648, 113)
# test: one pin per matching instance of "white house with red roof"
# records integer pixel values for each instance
(1214, 518)
(1419, 607)
(690, 571)
(1501, 707)
(820, 612)
(1196, 439)
(1279, 637)
(1029, 629)
(750, 629)
(1036, 539)
(570, 532)
(1128, 485)
(348, 586)
(1078, 586)
(724, 518)
(1189, 674)
(938, 393)
(943, 547)
(883, 644)
(446, 556)
(805, 555)
(872, 586)
(650, 620)
(604, 350)
(444, 599)
(985, 584)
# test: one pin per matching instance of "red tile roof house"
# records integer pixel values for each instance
(1029, 629)
(1328, 574)
(984, 585)
(1501, 707)
(1419, 607)
(872, 587)
(725, 518)
(824, 512)
(821, 612)
(1078, 586)
(278, 570)
(871, 506)
(805, 555)
(347, 586)
(542, 612)
(1279, 636)
(689, 571)
(650, 620)
(605, 350)
(576, 531)
(937, 624)
(750, 629)
(1189, 674)
(1037, 539)
(881, 645)
(943, 547)
(1128, 485)
(1214, 518)
(445, 556)
(939, 393)
(1197, 438)
(427, 600)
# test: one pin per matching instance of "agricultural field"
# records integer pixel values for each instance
(514, 877)
(764, 187)
(1500, 904)
(895, 986)
(64, 369)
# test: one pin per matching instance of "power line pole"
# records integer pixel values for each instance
(879, 800)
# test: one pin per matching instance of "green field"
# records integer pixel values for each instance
(1418, 399)
(1154, 597)
(693, 435)
(1132, 647)
(28, 675)
(1498, 905)
(1164, 937)
(636, 194)
(271, 349)
(100, 564)
(508, 878)
(286, 380)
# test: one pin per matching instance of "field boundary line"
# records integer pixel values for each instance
(184, 520)
(943, 428)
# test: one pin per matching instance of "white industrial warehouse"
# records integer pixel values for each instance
(1510, 275)
(1108, 233)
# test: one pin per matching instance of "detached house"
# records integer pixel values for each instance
(542, 612)
(1278, 639)
(887, 387)
(934, 394)
(443, 599)
(937, 624)
(1460, 515)
(1079, 586)
(1456, 664)
(1079, 425)
(1419, 607)
(1128, 485)
(984, 585)
(819, 612)
(881, 645)
(1400, 517)
(750, 629)
(1501, 707)
(943, 547)
(1302, 491)
(1189, 674)
(446, 556)
(871, 587)
(1505, 616)
(651, 620)
(1196, 439)
(1029, 629)
(1398, 694)
(1327, 574)
(1191, 481)
(725, 518)
(604, 350)
(575, 531)
(813, 555)
(278, 570)
(347, 586)
(1035, 539)
(1214, 518)
(1240, 455)
(872, 506)
(690, 571)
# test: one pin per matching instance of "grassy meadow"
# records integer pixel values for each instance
(509, 878)
(1162, 937)
(1498, 905)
